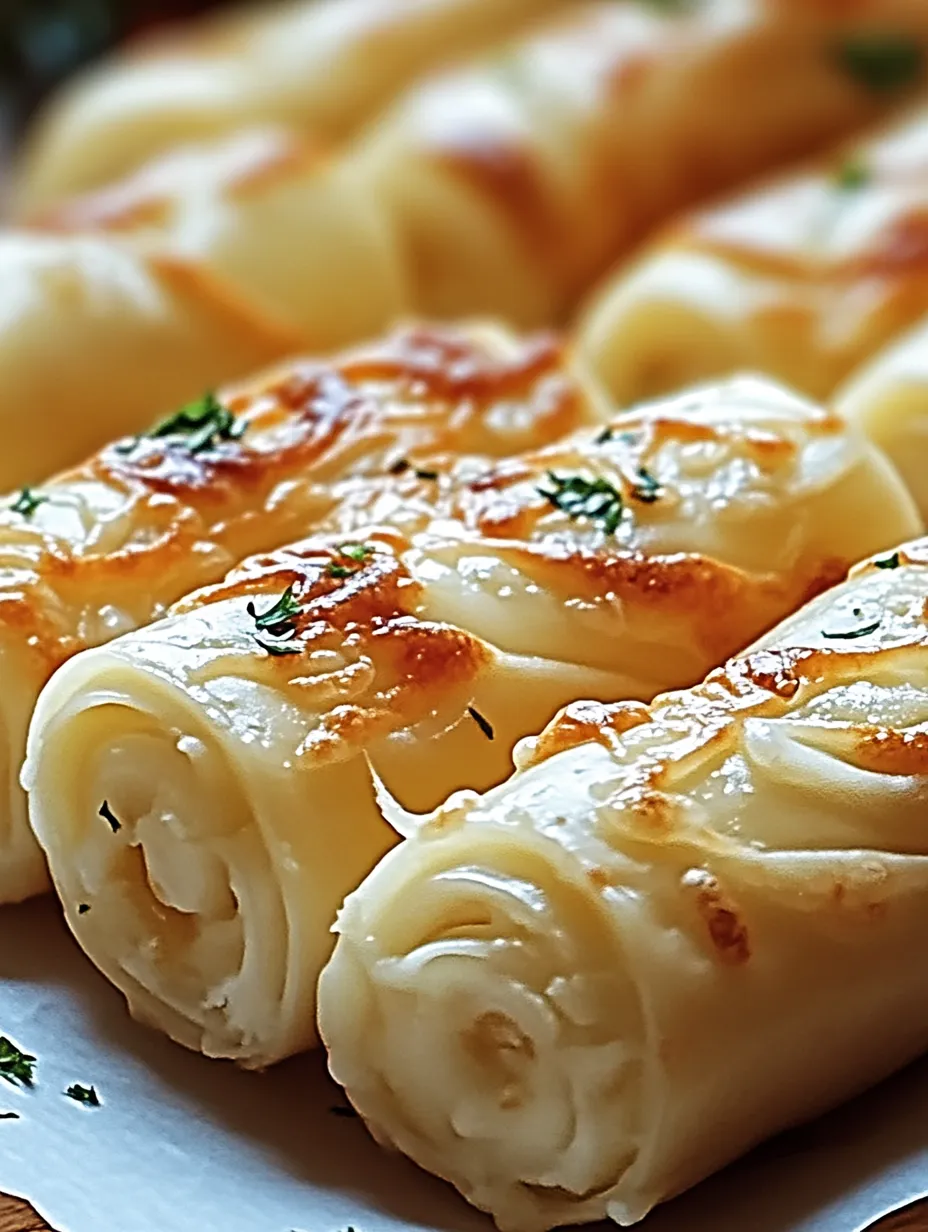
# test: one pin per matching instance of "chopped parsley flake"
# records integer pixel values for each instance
(402, 465)
(277, 620)
(483, 723)
(610, 433)
(358, 553)
(892, 561)
(646, 489)
(16, 1065)
(852, 174)
(853, 633)
(594, 499)
(9, 1116)
(200, 425)
(882, 62)
(204, 423)
(27, 502)
(108, 815)
(83, 908)
(83, 1095)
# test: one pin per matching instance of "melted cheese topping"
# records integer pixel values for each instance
(111, 545)
(581, 993)
(448, 611)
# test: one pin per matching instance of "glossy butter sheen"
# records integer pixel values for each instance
(111, 545)
(584, 991)
(446, 611)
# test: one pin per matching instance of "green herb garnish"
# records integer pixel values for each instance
(669, 6)
(483, 723)
(9, 1116)
(402, 465)
(83, 908)
(595, 499)
(882, 62)
(27, 502)
(852, 174)
(16, 1065)
(853, 633)
(201, 423)
(356, 552)
(892, 561)
(646, 489)
(83, 1095)
(107, 813)
(609, 433)
(277, 620)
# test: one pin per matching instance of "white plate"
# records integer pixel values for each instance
(182, 1144)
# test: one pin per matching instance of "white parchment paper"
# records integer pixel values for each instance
(182, 1144)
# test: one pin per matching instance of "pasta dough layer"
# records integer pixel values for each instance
(203, 787)
(581, 993)
(888, 399)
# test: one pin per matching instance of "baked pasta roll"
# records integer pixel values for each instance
(323, 68)
(502, 188)
(525, 175)
(888, 399)
(197, 272)
(579, 994)
(109, 546)
(203, 788)
(803, 278)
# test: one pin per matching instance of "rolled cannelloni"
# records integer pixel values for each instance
(530, 171)
(109, 546)
(803, 278)
(205, 789)
(888, 399)
(323, 68)
(503, 187)
(581, 993)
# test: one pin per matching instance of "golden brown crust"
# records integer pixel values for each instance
(186, 516)
(727, 932)
(762, 684)
(887, 751)
(365, 610)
